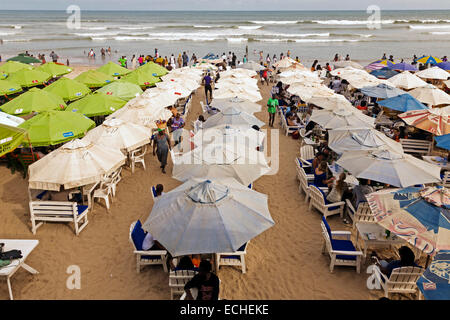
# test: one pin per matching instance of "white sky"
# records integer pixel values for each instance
(225, 4)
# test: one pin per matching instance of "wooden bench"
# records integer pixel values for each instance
(58, 211)
(178, 279)
(416, 146)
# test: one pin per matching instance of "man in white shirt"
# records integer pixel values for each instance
(336, 85)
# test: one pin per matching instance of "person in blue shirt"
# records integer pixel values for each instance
(407, 259)
(207, 80)
(320, 176)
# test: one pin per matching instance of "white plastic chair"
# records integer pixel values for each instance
(103, 192)
(138, 156)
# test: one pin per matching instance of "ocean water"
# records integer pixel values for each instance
(307, 34)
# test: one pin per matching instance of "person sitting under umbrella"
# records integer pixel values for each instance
(320, 176)
(360, 191)
(205, 281)
(407, 259)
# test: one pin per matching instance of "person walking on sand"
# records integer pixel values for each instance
(272, 105)
(172, 61)
(180, 61)
(161, 148)
(185, 59)
(207, 81)
(133, 62)
(54, 56)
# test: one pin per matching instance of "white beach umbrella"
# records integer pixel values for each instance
(294, 67)
(231, 83)
(308, 90)
(251, 65)
(234, 136)
(346, 71)
(284, 63)
(433, 73)
(345, 139)
(242, 104)
(208, 216)
(175, 88)
(232, 116)
(116, 133)
(348, 63)
(10, 120)
(333, 102)
(240, 92)
(386, 166)
(188, 83)
(220, 161)
(77, 163)
(160, 96)
(407, 80)
(142, 115)
(447, 83)
(238, 73)
(430, 95)
(341, 118)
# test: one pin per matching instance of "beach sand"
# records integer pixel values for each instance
(284, 262)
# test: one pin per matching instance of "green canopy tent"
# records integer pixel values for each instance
(10, 138)
(13, 66)
(68, 89)
(113, 70)
(34, 100)
(29, 78)
(94, 79)
(55, 69)
(24, 59)
(55, 127)
(141, 78)
(97, 104)
(122, 89)
(153, 69)
(8, 87)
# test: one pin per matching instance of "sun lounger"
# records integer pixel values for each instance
(58, 211)
(342, 252)
(26, 247)
(149, 257)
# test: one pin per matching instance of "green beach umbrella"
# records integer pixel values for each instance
(13, 66)
(34, 100)
(113, 69)
(24, 59)
(3, 75)
(94, 79)
(97, 104)
(8, 87)
(54, 127)
(141, 78)
(10, 138)
(55, 69)
(154, 69)
(29, 78)
(122, 89)
(68, 89)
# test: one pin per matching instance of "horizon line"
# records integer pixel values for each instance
(228, 10)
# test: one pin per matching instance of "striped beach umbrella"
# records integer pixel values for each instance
(429, 60)
(434, 120)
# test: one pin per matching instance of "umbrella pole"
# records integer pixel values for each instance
(428, 261)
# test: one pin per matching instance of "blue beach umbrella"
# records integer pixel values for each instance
(384, 73)
(443, 141)
(403, 103)
(382, 91)
(403, 67)
(444, 65)
(435, 281)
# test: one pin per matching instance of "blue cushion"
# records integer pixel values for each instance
(327, 226)
(242, 248)
(41, 195)
(81, 209)
(343, 245)
(154, 191)
(138, 235)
